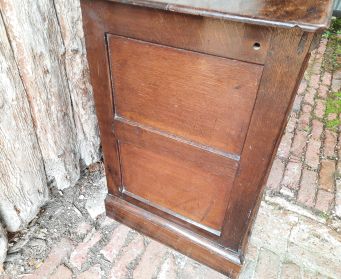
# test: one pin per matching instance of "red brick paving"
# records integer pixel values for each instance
(130, 254)
(79, 255)
(116, 242)
(56, 257)
(276, 175)
(94, 272)
(62, 272)
(327, 175)
(308, 187)
(153, 254)
(309, 150)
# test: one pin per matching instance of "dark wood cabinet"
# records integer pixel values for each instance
(192, 98)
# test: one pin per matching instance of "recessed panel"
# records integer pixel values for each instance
(178, 185)
(198, 97)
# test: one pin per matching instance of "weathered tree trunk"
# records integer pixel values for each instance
(35, 36)
(70, 21)
(48, 126)
(22, 176)
(3, 247)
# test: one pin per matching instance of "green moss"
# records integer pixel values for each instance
(324, 215)
(334, 45)
(330, 64)
(333, 106)
(334, 29)
(307, 129)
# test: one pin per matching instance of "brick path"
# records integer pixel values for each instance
(306, 167)
(297, 233)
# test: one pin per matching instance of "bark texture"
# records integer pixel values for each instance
(70, 21)
(35, 36)
(3, 246)
(23, 186)
(48, 126)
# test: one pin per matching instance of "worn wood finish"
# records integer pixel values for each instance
(169, 89)
(183, 240)
(311, 15)
(201, 157)
(201, 34)
(177, 185)
(189, 133)
(280, 77)
(94, 31)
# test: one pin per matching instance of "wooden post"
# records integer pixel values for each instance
(48, 126)
(22, 175)
(70, 21)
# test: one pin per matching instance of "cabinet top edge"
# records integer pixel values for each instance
(310, 16)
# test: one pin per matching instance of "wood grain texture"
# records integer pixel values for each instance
(201, 34)
(47, 74)
(78, 78)
(287, 56)
(38, 48)
(180, 168)
(3, 245)
(201, 156)
(309, 15)
(187, 94)
(192, 245)
(184, 93)
(22, 175)
(101, 82)
(177, 185)
(153, 160)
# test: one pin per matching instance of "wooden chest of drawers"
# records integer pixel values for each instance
(192, 98)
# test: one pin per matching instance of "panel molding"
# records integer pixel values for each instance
(193, 94)
(159, 132)
(175, 236)
(170, 212)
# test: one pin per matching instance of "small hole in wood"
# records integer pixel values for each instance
(256, 46)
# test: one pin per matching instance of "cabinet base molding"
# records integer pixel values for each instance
(171, 234)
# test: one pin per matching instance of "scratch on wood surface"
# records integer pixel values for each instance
(301, 44)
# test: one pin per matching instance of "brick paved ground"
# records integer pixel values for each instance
(306, 169)
(297, 233)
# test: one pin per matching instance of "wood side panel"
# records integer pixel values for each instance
(185, 223)
(183, 240)
(281, 72)
(202, 98)
(177, 185)
(164, 166)
(265, 178)
(206, 159)
(94, 32)
(202, 34)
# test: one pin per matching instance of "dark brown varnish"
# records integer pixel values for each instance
(191, 109)
(168, 89)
